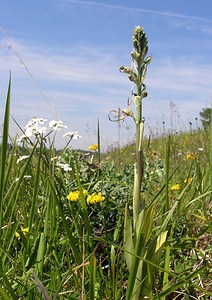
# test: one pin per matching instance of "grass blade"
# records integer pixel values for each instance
(4, 151)
(3, 295)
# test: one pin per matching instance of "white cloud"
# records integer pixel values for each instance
(82, 84)
(180, 77)
(135, 9)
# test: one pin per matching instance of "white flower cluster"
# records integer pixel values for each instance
(73, 135)
(60, 164)
(34, 129)
(56, 125)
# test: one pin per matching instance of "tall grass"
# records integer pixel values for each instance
(68, 226)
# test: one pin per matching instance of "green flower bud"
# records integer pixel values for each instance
(144, 94)
(140, 41)
(123, 69)
(136, 44)
(132, 77)
(135, 55)
(138, 32)
(145, 50)
(148, 60)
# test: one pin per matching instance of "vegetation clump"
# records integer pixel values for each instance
(127, 224)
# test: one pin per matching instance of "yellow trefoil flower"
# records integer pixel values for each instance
(189, 180)
(93, 147)
(190, 156)
(95, 198)
(24, 230)
(175, 187)
(75, 196)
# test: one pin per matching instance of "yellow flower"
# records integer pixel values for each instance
(175, 187)
(84, 192)
(190, 156)
(95, 198)
(189, 180)
(75, 196)
(93, 147)
(24, 230)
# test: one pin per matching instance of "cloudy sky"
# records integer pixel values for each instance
(65, 55)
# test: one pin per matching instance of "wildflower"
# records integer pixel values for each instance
(189, 180)
(65, 167)
(200, 149)
(34, 130)
(73, 135)
(93, 147)
(75, 196)
(190, 156)
(56, 158)
(56, 125)
(35, 121)
(175, 187)
(27, 176)
(22, 158)
(25, 231)
(95, 198)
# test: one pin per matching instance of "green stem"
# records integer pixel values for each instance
(136, 245)
(139, 164)
(138, 173)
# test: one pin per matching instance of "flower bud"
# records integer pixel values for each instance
(135, 55)
(132, 77)
(136, 44)
(123, 69)
(140, 41)
(144, 94)
(148, 60)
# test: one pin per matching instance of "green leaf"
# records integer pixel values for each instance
(128, 238)
(145, 221)
(180, 283)
(153, 255)
(92, 281)
(4, 151)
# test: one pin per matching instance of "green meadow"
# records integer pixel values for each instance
(129, 223)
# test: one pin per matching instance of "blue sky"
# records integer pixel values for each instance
(65, 56)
